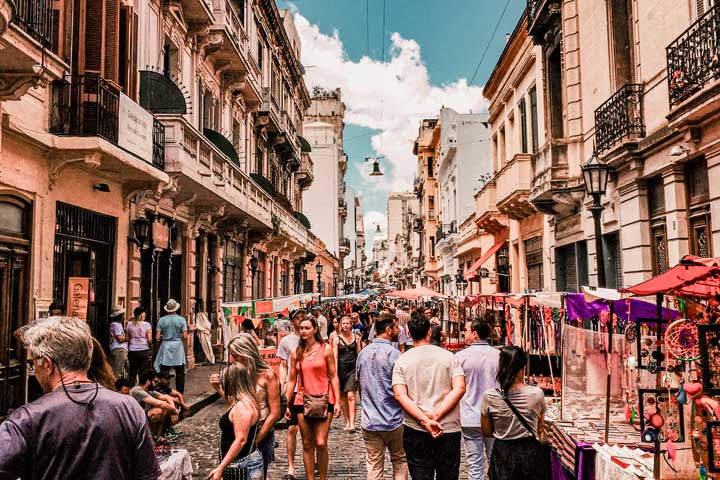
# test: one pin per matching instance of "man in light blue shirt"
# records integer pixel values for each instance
(479, 361)
(382, 416)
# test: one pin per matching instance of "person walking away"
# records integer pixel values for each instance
(203, 327)
(479, 361)
(242, 349)
(382, 416)
(322, 322)
(428, 383)
(239, 455)
(172, 333)
(286, 346)
(139, 342)
(312, 367)
(405, 341)
(48, 438)
(346, 347)
(514, 414)
(118, 342)
(159, 408)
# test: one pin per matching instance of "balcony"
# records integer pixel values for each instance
(342, 207)
(542, 15)
(213, 179)
(513, 185)
(692, 63)
(305, 174)
(195, 11)
(487, 215)
(90, 106)
(620, 117)
(344, 246)
(554, 191)
(227, 45)
(445, 231)
(26, 28)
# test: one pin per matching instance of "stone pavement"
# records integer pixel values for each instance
(201, 438)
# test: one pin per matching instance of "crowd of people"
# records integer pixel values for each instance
(419, 401)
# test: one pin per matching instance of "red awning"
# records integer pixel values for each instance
(485, 257)
(693, 277)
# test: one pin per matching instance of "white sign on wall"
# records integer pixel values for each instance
(135, 128)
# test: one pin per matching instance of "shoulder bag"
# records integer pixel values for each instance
(315, 407)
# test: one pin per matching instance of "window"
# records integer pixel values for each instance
(523, 126)
(431, 207)
(501, 148)
(534, 119)
(571, 270)
(696, 178)
(260, 54)
(285, 277)
(232, 271)
(613, 260)
(259, 161)
(430, 167)
(534, 263)
(432, 247)
(555, 90)
(656, 207)
(241, 11)
(656, 196)
(659, 246)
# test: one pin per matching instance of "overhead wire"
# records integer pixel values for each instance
(487, 46)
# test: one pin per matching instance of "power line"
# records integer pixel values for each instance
(487, 47)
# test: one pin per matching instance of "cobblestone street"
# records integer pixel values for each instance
(347, 453)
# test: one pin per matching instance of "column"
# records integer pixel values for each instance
(676, 214)
(635, 233)
(189, 296)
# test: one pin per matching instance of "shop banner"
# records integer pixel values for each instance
(77, 297)
(264, 307)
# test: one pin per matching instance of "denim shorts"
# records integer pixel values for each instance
(246, 468)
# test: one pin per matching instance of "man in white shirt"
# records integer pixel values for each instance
(428, 383)
(479, 361)
(322, 322)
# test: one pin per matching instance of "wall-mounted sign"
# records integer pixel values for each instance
(160, 234)
(135, 128)
(78, 295)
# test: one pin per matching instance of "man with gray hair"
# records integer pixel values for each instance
(78, 429)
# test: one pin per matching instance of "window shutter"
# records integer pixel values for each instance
(94, 15)
(112, 35)
(132, 76)
(55, 38)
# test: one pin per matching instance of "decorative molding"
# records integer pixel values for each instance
(13, 85)
(6, 15)
(90, 160)
(186, 203)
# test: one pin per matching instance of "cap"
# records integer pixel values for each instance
(292, 311)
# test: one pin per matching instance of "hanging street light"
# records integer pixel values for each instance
(376, 172)
(595, 176)
(377, 230)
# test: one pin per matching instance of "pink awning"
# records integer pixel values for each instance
(485, 257)
(693, 277)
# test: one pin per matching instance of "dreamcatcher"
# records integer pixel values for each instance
(682, 341)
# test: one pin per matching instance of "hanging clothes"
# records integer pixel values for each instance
(204, 332)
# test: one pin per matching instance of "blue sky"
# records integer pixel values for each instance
(431, 49)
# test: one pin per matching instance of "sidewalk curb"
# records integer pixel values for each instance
(202, 401)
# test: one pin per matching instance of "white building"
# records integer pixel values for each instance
(464, 158)
(402, 209)
(324, 203)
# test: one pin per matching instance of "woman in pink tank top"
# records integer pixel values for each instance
(312, 368)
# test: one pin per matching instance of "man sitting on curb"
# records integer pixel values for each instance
(160, 409)
(162, 386)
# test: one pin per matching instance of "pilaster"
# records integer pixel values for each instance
(676, 214)
(635, 225)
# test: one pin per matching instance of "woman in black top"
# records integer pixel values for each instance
(346, 346)
(240, 458)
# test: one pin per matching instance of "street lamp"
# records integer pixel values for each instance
(335, 283)
(319, 269)
(253, 271)
(141, 228)
(595, 176)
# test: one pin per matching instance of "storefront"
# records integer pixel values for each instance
(85, 248)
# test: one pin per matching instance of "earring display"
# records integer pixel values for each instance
(710, 357)
(661, 415)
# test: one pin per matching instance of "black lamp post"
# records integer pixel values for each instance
(335, 283)
(595, 176)
(141, 228)
(319, 269)
(253, 271)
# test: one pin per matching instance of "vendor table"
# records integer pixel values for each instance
(177, 466)
(572, 453)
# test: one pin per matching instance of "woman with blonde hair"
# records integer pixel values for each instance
(243, 349)
(239, 455)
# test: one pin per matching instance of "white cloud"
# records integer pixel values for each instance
(391, 97)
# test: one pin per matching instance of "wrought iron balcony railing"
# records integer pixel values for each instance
(445, 230)
(692, 59)
(89, 106)
(36, 18)
(621, 116)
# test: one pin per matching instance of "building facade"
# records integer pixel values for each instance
(462, 157)
(324, 201)
(403, 209)
(425, 188)
(152, 150)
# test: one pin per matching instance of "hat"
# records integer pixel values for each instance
(171, 306)
(294, 311)
(116, 311)
(316, 309)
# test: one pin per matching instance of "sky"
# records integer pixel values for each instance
(397, 62)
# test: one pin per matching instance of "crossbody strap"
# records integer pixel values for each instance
(519, 416)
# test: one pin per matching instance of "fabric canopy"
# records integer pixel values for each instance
(484, 258)
(693, 277)
(414, 293)
(627, 309)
